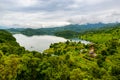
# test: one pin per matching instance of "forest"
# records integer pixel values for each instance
(61, 31)
(64, 60)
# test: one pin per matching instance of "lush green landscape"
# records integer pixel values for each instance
(102, 35)
(68, 31)
(65, 60)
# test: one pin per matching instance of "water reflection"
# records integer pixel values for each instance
(37, 43)
(41, 42)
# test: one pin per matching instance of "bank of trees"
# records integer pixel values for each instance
(62, 61)
(66, 34)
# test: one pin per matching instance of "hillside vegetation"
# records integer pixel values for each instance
(102, 35)
(68, 31)
(63, 61)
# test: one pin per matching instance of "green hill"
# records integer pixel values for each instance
(62, 61)
(62, 31)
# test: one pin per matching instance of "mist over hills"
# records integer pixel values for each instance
(72, 28)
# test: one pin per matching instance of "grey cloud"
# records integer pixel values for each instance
(56, 5)
(41, 5)
(105, 17)
(24, 12)
(50, 5)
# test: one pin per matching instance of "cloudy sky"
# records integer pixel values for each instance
(47, 13)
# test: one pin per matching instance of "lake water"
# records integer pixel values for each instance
(37, 43)
(41, 42)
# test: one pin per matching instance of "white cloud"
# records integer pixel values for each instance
(26, 3)
(105, 17)
(34, 20)
(45, 13)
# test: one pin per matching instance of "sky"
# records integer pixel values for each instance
(53, 13)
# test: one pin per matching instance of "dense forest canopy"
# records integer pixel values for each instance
(63, 61)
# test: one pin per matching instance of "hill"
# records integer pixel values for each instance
(102, 35)
(62, 61)
(75, 28)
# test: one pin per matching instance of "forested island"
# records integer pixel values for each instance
(65, 60)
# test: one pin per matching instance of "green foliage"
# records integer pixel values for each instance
(31, 32)
(66, 34)
(75, 28)
(102, 35)
(62, 61)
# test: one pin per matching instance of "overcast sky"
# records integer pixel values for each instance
(47, 13)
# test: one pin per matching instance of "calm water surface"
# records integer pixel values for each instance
(37, 43)
(41, 42)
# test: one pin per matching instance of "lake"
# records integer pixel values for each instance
(37, 43)
(41, 42)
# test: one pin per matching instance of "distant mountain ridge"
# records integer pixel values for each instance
(51, 31)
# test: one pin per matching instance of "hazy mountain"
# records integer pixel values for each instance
(52, 31)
